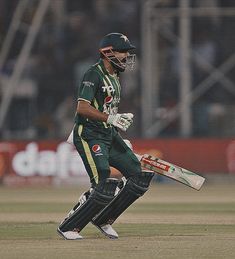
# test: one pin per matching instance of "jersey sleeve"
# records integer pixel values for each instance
(88, 86)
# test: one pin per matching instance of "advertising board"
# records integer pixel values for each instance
(54, 162)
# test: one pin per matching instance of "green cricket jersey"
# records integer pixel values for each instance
(99, 144)
(102, 91)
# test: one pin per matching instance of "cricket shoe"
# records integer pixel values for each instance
(70, 235)
(107, 230)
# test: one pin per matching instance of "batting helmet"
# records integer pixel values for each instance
(118, 42)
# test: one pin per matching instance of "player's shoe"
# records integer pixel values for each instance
(74, 234)
(107, 230)
(70, 235)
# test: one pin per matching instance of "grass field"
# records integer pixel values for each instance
(170, 221)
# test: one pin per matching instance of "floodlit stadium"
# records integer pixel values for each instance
(117, 129)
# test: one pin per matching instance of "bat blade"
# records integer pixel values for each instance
(172, 171)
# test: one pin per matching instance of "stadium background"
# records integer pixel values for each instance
(182, 94)
(182, 91)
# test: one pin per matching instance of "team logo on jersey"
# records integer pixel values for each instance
(97, 150)
(108, 88)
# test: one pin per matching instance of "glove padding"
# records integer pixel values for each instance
(122, 121)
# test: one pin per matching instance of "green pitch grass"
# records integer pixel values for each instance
(170, 221)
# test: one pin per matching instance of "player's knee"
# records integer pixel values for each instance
(139, 183)
(104, 191)
(143, 179)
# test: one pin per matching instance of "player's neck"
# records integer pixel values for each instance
(109, 67)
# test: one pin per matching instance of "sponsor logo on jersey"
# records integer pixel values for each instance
(97, 150)
(111, 105)
(88, 83)
(108, 100)
(108, 88)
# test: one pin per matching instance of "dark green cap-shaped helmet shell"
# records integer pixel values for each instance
(118, 42)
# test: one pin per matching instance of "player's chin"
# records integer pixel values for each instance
(122, 68)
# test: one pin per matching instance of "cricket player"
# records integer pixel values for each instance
(98, 141)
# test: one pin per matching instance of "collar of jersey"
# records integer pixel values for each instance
(101, 63)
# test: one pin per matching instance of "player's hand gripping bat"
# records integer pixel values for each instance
(172, 171)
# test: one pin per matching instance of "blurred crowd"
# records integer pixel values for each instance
(65, 47)
(212, 71)
(43, 106)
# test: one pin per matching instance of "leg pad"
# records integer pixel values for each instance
(135, 187)
(102, 194)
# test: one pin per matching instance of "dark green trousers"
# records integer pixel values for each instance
(100, 151)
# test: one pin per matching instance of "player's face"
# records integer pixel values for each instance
(121, 60)
(121, 55)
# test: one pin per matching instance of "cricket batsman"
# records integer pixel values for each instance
(98, 141)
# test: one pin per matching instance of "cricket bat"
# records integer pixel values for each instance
(172, 171)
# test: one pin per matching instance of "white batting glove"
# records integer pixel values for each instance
(121, 120)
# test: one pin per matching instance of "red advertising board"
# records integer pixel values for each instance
(200, 155)
(53, 162)
(44, 162)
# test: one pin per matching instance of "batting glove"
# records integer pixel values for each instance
(122, 121)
